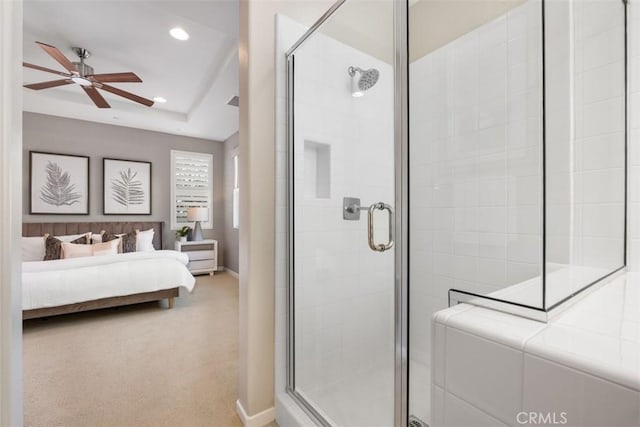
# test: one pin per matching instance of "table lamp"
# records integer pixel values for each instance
(197, 215)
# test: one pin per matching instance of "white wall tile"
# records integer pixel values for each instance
(604, 82)
(459, 413)
(520, 271)
(437, 405)
(483, 373)
(438, 353)
(523, 248)
(491, 220)
(605, 47)
(604, 117)
(584, 399)
(603, 151)
(604, 186)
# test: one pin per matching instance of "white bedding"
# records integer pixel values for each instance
(69, 281)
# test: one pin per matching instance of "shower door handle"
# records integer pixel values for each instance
(379, 247)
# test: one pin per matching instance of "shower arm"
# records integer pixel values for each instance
(352, 70)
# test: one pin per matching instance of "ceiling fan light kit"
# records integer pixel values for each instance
(83, 74)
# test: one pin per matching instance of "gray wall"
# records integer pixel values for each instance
(231, 247)
(68, 136)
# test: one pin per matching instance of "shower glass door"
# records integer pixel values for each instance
(341, 159)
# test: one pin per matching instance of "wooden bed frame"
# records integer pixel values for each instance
(66, 228)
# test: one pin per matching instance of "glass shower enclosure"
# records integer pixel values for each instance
(443, 152)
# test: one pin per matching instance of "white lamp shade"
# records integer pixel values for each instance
(197, 214)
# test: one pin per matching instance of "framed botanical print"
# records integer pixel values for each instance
(58, 184)
(126, 187)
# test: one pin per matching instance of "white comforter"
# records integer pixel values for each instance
(69, 281)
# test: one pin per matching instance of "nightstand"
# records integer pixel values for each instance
(203, 255)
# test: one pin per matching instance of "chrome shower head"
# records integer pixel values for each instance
(368, 78)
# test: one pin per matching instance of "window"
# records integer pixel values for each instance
(191, 186)
(236, 194)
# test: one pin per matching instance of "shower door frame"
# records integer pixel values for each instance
(401, 225)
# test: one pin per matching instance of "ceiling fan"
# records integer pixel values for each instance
(82, 74)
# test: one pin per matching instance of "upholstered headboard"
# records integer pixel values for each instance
(32, 229)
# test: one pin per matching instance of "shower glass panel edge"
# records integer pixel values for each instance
(402, 182)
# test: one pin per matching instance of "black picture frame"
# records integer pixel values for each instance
(130, 190)
(59, 183)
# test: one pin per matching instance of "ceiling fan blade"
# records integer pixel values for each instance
(47, 85)
(96, 97)
(125, 94)
(48, 70)
(58, 56)
(117, 78)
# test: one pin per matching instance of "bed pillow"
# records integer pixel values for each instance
(105, 248)
(144, 241)
(74, 250)
(32, 248)
(128, 242)
(106, 236)
(53, 245)
(96, 238)
(72, 237)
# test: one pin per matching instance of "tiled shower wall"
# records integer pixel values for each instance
(475, 165)
(343, 148)
(585, 134)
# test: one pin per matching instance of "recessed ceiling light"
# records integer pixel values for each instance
(179, 33)
(159, 100)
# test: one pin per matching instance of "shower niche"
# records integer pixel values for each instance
(317, 170)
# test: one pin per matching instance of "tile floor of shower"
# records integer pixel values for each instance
(367, 400)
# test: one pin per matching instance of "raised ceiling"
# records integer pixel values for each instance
(197, 77)
(435, 23)
(367, 25)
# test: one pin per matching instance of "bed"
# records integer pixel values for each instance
(79, 284)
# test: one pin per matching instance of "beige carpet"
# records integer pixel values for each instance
(143, 365)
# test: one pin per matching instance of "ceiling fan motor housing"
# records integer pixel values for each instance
(84, 69)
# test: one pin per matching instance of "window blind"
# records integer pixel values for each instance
(191, 186)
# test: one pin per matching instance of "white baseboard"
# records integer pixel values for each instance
(260, 419)
(231, 272)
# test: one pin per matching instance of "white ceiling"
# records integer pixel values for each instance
(197, 76)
